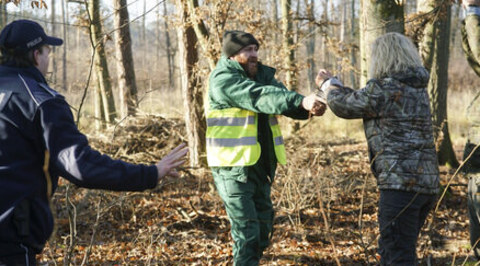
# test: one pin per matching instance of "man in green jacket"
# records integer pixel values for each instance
(244, 142)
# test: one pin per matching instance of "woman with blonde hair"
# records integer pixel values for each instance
(395, 109)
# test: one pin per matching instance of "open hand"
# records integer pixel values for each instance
(168, 164)
(322, 75)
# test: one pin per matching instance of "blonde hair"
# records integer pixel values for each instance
(392, 53)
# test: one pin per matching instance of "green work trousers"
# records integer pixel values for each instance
(250, 211)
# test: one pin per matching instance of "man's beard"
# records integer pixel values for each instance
(250, 66)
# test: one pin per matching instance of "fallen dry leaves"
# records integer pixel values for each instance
(183, 222)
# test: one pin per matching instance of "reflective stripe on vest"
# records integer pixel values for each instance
(232, 138)
(278, 140)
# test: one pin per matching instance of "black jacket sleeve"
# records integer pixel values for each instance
(72, 158)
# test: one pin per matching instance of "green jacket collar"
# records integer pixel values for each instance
(264, 75)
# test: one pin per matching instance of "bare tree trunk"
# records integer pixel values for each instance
(310, 46)
(378, 18)
(343, 37)
(353, 56)
(275, 17)
(289, 54)
(3, 14)
(54, 49)
(127, 84)
(144, 37)
(64, 52)
(192, 92)
(98, 107)
(201, 32)
(324, 48)
(168, 48)
(434, 49)
(101, 67)
(157, 38)
(288, 45)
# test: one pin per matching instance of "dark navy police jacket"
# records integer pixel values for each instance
(36, 123)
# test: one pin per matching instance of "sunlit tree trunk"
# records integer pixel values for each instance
(98, 107)
(100, 64)
(64, 46)
(201, 32)
(434, 48)
(3, 14)
(288, 46)
(324, 47)
(378, 18)
(54, 49)
(289, 54)
(310, 45)
(144, 37)
(353, 55)
(192, 92)
(127, 84)
(168, 48)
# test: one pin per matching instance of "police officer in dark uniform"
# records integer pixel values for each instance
(39, 142)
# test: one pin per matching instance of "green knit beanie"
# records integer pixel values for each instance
(235, 40)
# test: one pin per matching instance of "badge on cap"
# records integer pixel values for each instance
(36, 41)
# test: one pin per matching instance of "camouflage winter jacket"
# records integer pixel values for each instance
(398, 126)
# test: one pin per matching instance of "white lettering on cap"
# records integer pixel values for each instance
(34, 42)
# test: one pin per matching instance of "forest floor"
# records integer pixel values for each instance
(325, 200)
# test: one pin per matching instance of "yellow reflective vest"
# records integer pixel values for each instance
(232, 138)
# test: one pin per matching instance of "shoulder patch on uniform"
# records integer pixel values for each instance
(4, 98)
(39, 92)
(48, 89)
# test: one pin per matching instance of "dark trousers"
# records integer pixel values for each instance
(401, 215)
(474, 211)
(16, 255)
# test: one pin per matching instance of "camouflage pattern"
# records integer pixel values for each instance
(398, 126)
(471, 47)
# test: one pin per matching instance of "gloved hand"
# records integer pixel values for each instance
(314, 104)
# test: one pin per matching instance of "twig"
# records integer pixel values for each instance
(327, 228)
(94, 46)
(360, 214)
(72, 221)
(94, 231)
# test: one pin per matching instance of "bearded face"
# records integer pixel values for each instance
(250, 65)
(248, 59)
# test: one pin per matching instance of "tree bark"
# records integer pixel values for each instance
(127, 84)
(192, 92)
(310, 46)
(168, 49)
(201, 32)
(64, 52)
(378, 18)
(54, 49)
(3, 14)
(288, 46)
(100, 64)
(353, 55)
(434, 48)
